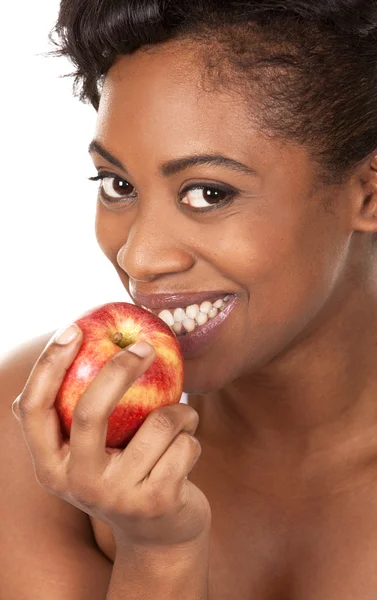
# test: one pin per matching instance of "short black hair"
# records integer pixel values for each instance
(313, 62)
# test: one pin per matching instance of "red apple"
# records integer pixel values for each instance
(106, 330)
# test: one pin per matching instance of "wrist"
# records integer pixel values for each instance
(126, 547)
(162, 572)
(155, 557)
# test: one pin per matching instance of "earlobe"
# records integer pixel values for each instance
(369, 206)
(369, 212)
(365, 216)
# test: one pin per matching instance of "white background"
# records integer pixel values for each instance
(52, 269)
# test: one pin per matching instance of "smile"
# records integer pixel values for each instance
(193, 342)
(187, 320)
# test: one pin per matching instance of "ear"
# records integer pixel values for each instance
(364, 209)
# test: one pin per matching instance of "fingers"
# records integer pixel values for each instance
(35, 405)
(177, 461)
(161, 448)
(154, 437)
(91, 414)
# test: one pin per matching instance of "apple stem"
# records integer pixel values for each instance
(119, 340)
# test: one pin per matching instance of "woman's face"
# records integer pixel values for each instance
(273, 244)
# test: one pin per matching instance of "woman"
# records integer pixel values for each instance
(236, 144)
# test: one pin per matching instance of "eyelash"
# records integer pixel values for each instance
(230, 193)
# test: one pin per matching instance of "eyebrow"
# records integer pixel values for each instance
(172, 167)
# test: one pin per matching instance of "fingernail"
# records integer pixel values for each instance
(66, 334)
(141, 349)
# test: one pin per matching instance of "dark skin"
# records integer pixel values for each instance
(286, 393)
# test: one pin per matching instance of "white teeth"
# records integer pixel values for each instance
(219, 304)
(166, 316)
(189, 324)
(181, 320)
(179, 315)
(177, 328)
(202, 318)
(205, 307)
(192, 311)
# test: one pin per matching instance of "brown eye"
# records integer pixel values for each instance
(113, 188)
(112, 184)
(196, 195)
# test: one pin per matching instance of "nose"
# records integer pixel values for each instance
(154, 247)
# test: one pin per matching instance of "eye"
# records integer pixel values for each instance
(202, 197)
(107, 186)
(210, 195)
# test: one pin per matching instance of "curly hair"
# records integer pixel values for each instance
(314, 64)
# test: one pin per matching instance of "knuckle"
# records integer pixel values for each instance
(84, 418)
(192, 416)
(49, 479)
(184, 439)
(83, 491)
(119, 362)
(189, 442)
(156, 503)
(163, 419)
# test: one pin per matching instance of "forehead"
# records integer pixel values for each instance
(159, 94)
(156, 104)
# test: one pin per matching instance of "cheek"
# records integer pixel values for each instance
(289, 267)
(109, 231)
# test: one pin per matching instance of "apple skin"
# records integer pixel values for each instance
(161, 384)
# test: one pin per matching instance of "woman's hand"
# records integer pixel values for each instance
(141, 492)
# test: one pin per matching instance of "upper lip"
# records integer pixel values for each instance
(168, 300)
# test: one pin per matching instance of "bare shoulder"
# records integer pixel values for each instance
(61, 536)
(16, 365)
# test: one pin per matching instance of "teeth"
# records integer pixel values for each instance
(166, 316)
(179, 315)
(219, 304)
(192, 311)
(182, 321)
(205, 307)
(177, 328)
(202, 318)
(189, 324)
